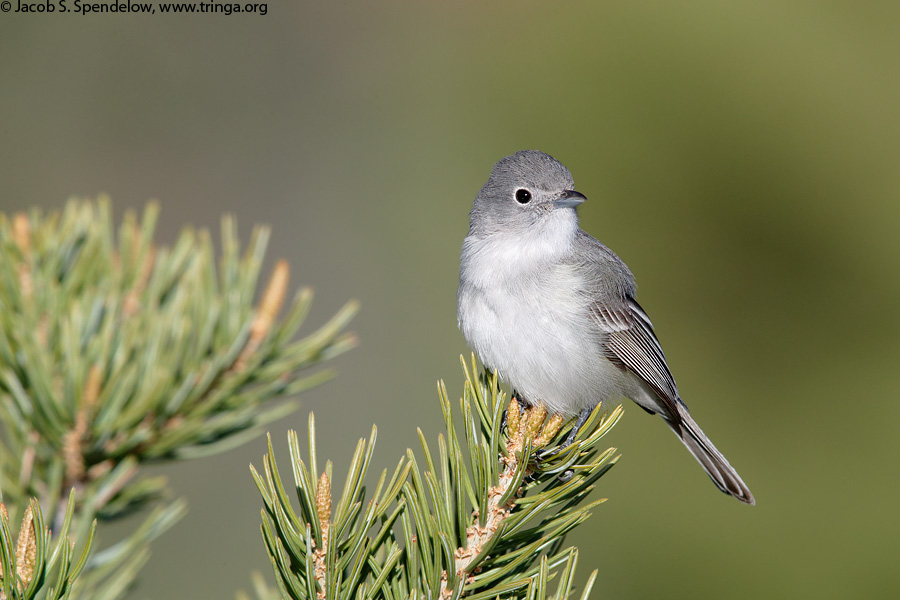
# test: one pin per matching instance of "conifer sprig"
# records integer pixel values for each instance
(350, 552)
(115, 351)
(482, 518)
(32, 568)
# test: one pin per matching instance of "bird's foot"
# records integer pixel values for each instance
(542, 455)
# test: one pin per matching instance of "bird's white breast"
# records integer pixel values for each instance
(524, 310)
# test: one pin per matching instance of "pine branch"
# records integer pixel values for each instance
(31, 569)
(317, 554)
(115, 352)
(484, 518)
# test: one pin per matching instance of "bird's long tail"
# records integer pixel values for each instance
(712, 461)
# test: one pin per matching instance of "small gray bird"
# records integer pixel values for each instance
(553, 310)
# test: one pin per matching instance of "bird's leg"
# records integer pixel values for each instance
(579, 423)
(570, 439)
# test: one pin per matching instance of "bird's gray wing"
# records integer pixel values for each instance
(627, 336)
(631, 343)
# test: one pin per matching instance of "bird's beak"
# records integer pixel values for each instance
(569, 198)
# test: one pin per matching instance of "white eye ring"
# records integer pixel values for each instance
(523, 196)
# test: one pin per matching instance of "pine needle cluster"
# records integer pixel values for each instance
(115, 352)
(484, 517)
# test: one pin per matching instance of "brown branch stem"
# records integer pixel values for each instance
(521, 426)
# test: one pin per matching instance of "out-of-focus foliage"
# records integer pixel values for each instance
(115, 352)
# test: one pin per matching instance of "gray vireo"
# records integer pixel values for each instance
(553, 310)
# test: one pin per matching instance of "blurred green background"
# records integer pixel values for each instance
(741, 157)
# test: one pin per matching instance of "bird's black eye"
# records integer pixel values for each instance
(523, 196)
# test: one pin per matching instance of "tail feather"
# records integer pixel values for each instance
(712, 461)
